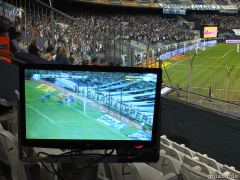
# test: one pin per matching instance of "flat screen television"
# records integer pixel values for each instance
(89, 107)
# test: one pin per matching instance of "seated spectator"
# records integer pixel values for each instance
(49, 55)
(32, 49)
(111, 64)
(11, 33)
(71, 60)
(85, 62)
(62, 57)
(103, 62)
(17, 39)
(7, 46)
(94, 62)
(119, 64)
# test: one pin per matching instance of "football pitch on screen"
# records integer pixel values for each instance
(209, 68)
(50, 119)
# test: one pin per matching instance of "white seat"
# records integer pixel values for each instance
(167, 164)
(9, 155)
(193, 162)
(210, 162)
(165, 140)
(223, 176)
(193, 173)
(131, 171)
(184, 149)
(234, 173)
(172, 152)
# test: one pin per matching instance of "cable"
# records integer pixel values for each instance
(71, 155)
(60, 176)
(48, 169)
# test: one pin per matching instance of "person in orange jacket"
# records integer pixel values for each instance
(6, 45)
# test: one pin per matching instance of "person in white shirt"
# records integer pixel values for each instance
(16, 40)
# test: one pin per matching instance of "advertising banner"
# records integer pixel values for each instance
(233, 41)
(174, 11)
(10, 11)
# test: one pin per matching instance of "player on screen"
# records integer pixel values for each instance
(60, 101)
(48, 95)
(43, 98)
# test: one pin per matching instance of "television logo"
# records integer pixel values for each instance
(213, 32)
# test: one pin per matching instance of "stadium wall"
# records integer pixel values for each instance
(9, 81)
(202, 130)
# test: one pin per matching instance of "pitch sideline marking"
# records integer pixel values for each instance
(227, 53)
(40, 113)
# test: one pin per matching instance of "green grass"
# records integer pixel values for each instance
(209, 70)
(50, 119)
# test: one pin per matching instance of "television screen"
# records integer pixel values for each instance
(87, 106)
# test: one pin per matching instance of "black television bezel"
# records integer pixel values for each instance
(88, 144)
(208, 25)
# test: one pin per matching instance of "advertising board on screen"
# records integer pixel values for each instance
(210, 32)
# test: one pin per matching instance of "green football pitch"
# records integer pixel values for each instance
(209, 70)
(50, 119)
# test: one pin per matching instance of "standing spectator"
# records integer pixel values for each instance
(17, 40)
(32, 49)
(62, 57)
(49, 55)
(19, 14)
(94, 62)
(7, 47)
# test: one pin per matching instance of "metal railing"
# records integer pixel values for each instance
(206, 102)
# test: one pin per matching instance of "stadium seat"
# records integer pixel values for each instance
(232, 170)
(167, 164)
(131, 171)
(172, 152)
(210, 162)
(184, 149)
(9, 156)
(203, 168)
(223, 176)
(166, 141)
(190, 173)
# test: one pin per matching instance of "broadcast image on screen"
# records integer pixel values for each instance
(210, 32)
(89, 105)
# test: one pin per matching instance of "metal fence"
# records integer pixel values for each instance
(206, 102)
(202, 79)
